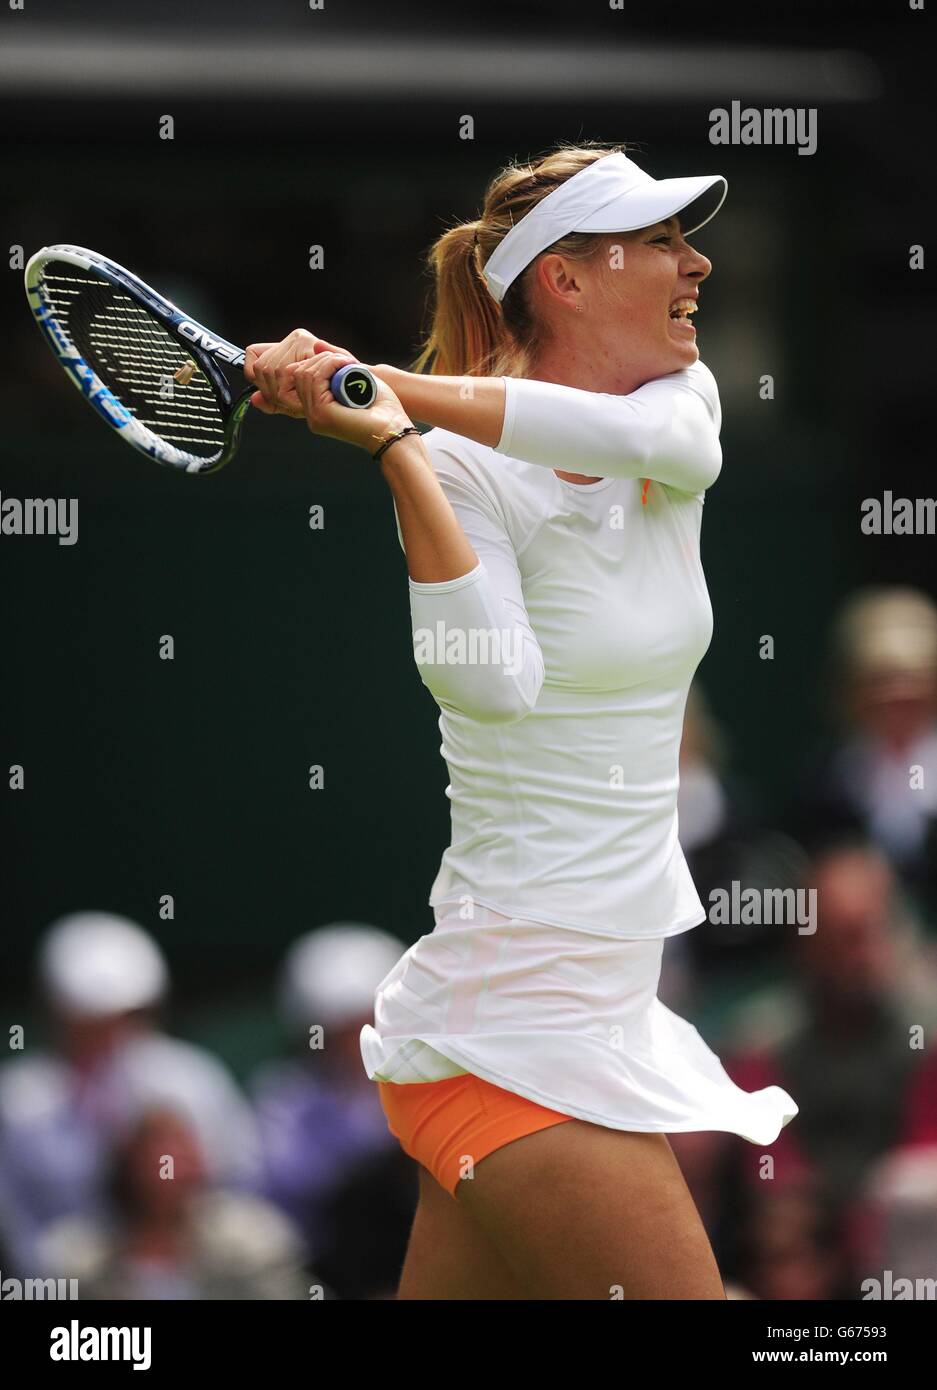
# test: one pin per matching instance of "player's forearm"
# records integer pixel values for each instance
(436, 546)
(468, 405)
(667, 429)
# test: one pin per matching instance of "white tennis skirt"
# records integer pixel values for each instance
(567, 1018)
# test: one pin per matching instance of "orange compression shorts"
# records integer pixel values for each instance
(449, 1125)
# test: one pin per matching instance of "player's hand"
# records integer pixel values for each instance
(267, 364)
(324, 415)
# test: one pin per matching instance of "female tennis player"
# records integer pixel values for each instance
(551, 521)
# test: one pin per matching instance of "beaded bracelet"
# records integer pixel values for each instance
(411, 429)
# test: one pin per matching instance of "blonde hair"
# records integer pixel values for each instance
(471, 334)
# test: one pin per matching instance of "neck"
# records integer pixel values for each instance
(588, 367)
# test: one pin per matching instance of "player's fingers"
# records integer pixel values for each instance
(326, 361)
(293, 408)
(265, 372)
(305, 343)
(267, 366)
(324, 364)
(251, 354)
(343, 358)
(312, 384)
(283, 381)
(299, 346)
(323, 346)
(310, 379)
(302, 343)
(306, 380)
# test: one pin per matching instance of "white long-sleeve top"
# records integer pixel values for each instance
(561, 663)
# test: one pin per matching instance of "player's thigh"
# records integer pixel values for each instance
(449, 1256)
(581, 1211)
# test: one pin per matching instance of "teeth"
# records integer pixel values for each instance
(683, 307)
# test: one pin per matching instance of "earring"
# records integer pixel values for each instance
(578, 308)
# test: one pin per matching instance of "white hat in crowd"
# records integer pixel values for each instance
(95, 963)
(330, 974)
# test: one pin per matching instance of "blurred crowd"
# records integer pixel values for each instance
(133, 1163)
(131, 1160)
(840, 1010)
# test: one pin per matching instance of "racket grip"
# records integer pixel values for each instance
(354, 386)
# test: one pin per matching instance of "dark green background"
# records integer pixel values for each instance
(292, 646)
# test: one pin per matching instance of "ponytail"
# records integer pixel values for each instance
(467, 326)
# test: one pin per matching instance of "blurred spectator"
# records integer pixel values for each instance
(63, 1108)
(882, 682)
(838, 1037)
(790, 1244)
(170, 1234)
(321, 1122)
(895, 1230)
(726, 838)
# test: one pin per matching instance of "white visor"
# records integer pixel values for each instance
(610, 195)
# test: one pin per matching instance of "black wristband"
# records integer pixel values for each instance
(411, 429)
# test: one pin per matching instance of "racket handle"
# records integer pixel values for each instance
(354, 386)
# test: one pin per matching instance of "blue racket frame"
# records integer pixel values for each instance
(205, 347)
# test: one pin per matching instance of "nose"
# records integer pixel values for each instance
(693, 264)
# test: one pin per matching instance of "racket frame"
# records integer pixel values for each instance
(204, 347)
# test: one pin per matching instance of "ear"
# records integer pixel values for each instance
(559, 280)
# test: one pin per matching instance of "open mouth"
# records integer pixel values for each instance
(681, 309)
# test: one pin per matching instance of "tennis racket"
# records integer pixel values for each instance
(169, 387)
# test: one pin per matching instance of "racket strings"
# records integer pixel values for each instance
(137, 359)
